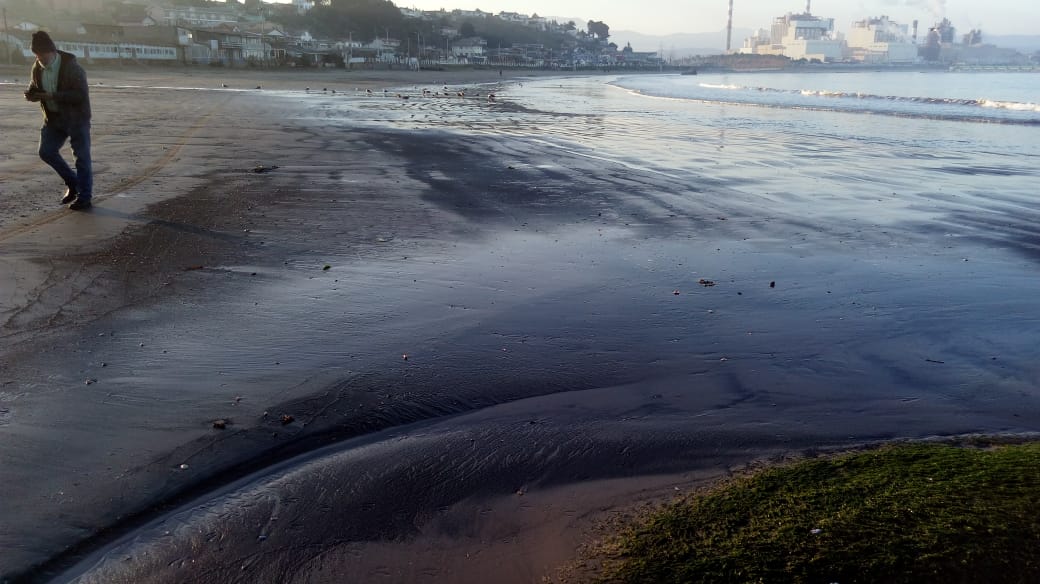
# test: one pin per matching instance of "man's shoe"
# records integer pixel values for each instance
(80, 204)
(70, 196)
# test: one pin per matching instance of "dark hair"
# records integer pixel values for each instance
(42, 43)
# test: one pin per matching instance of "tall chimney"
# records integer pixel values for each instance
(808, 6)
(729, 27)
(915, 33)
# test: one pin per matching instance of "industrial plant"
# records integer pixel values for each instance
(878, 40)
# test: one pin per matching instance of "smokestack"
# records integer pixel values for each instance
(808, 6)
(915, 32)
(729, 26)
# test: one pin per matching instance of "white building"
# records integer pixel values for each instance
(879, 40)
(759, 43)
(804, 36)
(478, 13)
(303, 6)
(472, 49)
(208, 17)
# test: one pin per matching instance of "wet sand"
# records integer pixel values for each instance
(439, 353)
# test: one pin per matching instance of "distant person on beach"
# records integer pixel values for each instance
(59, 84)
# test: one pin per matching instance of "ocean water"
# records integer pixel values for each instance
(1012, 98)
(832, 143)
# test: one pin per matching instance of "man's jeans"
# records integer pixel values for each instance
(52, 138)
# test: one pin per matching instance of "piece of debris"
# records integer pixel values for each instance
(262, 169)
(287, 419)
(706, 283)
(772, 284)
(327, 268)
(675, 292)
(934, 361)
(190, 268)
(220, 424)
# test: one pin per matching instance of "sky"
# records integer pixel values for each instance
(661, 17)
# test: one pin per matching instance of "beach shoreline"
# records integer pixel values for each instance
(134, 252)
(486, 338)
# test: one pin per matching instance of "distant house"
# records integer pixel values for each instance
(471, 49)
(385, 49)
(513, 17)
(539, 22)
(99, 43)
(433, 15)
(470, 13)
(194, 16)
(227, 45)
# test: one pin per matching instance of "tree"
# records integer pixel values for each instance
(467, 29)
(599, 29)
(253, 6)
(363, 19)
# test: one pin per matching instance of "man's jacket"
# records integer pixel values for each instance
(72, 95)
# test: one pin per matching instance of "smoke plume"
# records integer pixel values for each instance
(936, 7)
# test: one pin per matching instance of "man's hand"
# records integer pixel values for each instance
(36, 95)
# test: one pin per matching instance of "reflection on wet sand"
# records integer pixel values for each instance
(432, 310)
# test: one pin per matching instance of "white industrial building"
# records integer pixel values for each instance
(804, 36)
(798, 36)
(879, 40)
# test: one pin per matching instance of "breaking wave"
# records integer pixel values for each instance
(849, 97)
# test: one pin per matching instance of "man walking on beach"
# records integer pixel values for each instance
(59, 84)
